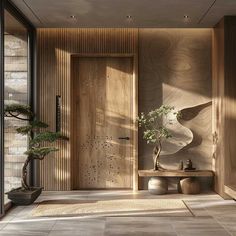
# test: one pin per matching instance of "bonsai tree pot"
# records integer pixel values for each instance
(24, 197)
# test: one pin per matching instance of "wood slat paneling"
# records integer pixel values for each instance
(230, 103)
(217, 105)
(224, 109)
(55, 47)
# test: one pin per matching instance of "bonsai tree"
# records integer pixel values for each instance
(37, 138)
(155, 129)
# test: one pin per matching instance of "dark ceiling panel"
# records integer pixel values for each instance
(112, 13)
(221, 8)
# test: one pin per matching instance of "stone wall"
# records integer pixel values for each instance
(16, 91)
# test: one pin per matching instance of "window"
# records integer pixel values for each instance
(1, 109)
(16, 90)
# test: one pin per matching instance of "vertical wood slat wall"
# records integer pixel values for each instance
(55, 47)
(218, 106)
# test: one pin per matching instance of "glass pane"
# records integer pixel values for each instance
(16, 91)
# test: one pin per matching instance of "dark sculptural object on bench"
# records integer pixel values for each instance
(189, 165)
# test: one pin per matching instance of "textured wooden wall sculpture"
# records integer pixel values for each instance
(55, 47)
(175, 69)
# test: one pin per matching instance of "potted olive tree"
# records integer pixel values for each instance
(155, 129)
(37, 149)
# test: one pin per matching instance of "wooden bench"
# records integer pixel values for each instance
(188, 183)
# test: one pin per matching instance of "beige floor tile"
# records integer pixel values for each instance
(23, 233)
(80, 224)
(87, 232)
(204, 233)
(213, 217)
(128, 233)
(30, 225)
(2, 225)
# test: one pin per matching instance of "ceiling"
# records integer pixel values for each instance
(13, 26)
(113, 13)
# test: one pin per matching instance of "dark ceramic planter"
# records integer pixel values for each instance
(24, 197)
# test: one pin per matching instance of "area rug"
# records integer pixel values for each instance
(123, 207)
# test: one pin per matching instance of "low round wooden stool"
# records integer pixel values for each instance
(189, 186)
(158, 185)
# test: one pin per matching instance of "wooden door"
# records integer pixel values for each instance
(102, 110)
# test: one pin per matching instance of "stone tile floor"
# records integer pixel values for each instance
(213, 216)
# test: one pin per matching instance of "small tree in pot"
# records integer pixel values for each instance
(155, 129)
(25, 194)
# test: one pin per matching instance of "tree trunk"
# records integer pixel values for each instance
(156, 155)
(24, 174)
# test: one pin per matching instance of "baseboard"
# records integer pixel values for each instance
(230, 190)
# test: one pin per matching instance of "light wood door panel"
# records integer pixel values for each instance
(102, 113)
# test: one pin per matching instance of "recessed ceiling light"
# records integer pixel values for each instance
(73, 17)
(129, 19)
(187, 19)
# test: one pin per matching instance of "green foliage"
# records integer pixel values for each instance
(15, 110)
(37, 124)
(155, 122)
(40, 152)
(33, 126)
(33, 129)
(45, 137)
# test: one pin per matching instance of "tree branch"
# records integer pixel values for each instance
(17, 117)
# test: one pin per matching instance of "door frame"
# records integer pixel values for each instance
(134, 124)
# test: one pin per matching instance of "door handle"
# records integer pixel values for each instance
(125, 138)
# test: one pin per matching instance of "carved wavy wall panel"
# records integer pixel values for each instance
(200, 146)
(175, 69)
(183, 135)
